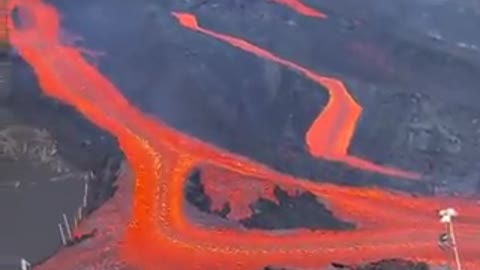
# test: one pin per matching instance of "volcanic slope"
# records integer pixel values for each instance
(162, 158)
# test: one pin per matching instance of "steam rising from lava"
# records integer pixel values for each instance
(160, 236)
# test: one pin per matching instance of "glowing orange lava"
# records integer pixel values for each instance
(161, 237)
(301, 8)
(330, 134)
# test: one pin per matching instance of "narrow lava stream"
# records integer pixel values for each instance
(161, 237)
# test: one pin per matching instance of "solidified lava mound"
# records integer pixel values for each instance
(387, 264)
(394, 264)
(280, 210)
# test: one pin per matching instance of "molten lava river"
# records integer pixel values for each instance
(159, 235)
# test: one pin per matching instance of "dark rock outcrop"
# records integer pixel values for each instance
(387, 264)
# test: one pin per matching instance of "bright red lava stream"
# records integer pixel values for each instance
(301, 8)
(160, 235)
(330, 134)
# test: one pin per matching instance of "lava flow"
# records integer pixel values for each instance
(301, 8)
(330, 134)
(160, 235)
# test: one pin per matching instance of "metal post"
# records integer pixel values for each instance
(80, 214)
(75, 222)
(454, 245)
(67, 227)
(85, 194)
(62, 234)
(25, 265)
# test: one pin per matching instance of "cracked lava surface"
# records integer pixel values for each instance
(159, 235)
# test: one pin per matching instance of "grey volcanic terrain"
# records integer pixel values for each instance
(412, 65)
(47, 152)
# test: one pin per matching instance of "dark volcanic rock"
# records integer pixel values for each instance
(393, 264)
(47, 153)
(387, 264)
(419, 95)
(301, 211)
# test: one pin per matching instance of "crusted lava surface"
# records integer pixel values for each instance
(216, 90)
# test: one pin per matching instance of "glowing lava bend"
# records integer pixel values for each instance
(160, 236)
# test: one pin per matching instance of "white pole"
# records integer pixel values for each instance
(62, 234)
(80, 213)
(449, 248)
(455, 248)
(75, 222)
(24, 264)
(85, 194)
(67, 227)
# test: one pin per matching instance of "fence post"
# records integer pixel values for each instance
(67, 227)
(25, 265)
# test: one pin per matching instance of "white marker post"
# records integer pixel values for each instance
(62, 234)
(25, 265)
(446, 216)
(67, 227)
(80, 214)
(85, 194)
(75, 222)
